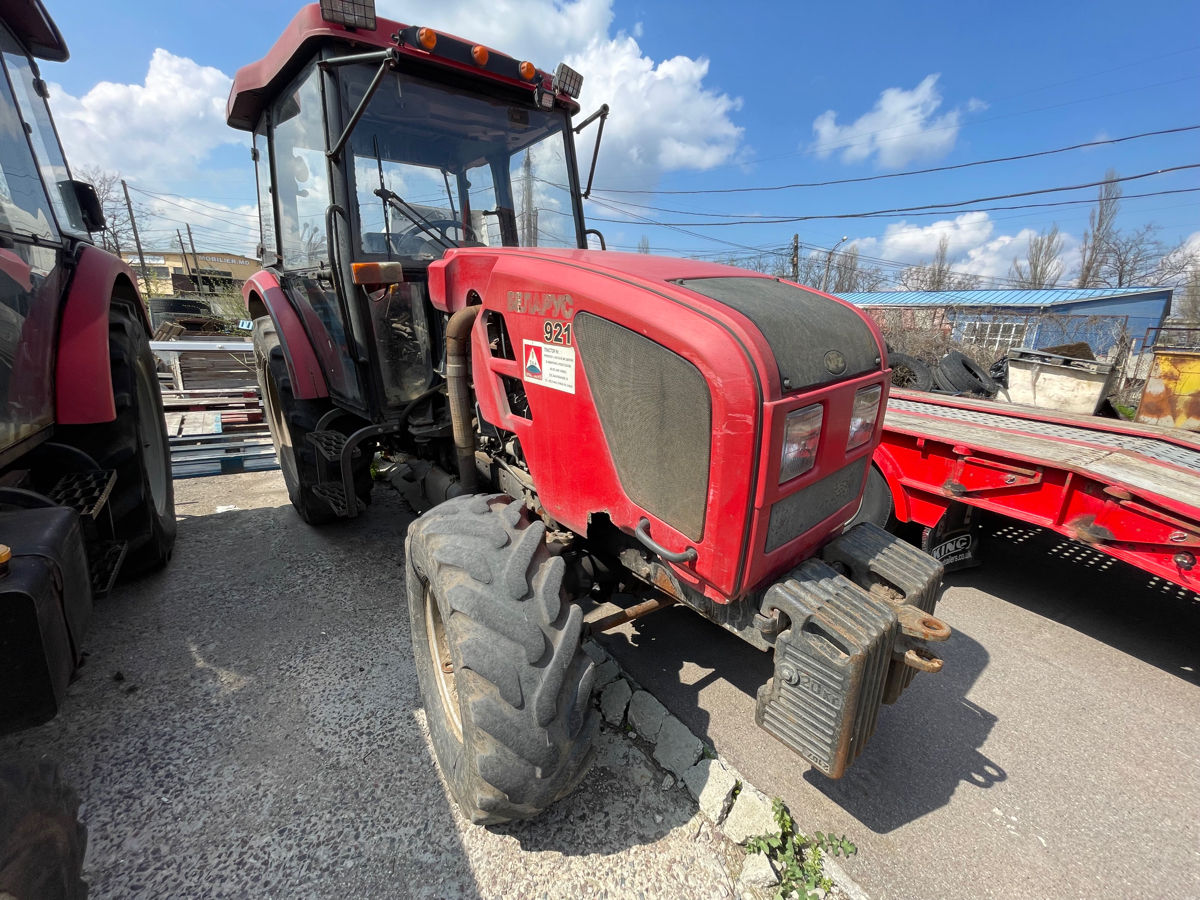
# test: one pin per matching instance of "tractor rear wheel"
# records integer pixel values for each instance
(506, 685)
(135, 445)
(290, 421)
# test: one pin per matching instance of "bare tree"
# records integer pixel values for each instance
(117, 235)
(1097, 240)
(851, 276)
(1043, 266)
(643, 244)
(937, 275)
(1132, 258)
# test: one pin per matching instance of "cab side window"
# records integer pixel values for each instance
(24, 206)
(29, 91)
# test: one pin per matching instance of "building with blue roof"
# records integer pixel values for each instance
(1104, 317)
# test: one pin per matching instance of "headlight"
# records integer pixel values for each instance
(863, 416)
(801, 433)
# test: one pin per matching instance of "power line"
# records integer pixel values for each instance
(866, 178)
(904, 210)
(221, 209)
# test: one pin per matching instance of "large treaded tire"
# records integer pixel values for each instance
(290, 420)
(962, 373)
(512, 724)
(135, 445)
(910, 373)
(42, 842)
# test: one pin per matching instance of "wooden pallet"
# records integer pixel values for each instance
(203, 443)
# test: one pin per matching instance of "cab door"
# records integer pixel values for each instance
(31, 248)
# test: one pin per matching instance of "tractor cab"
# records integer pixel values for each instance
(379, 146)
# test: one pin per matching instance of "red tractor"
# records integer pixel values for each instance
(577, 423)
(85, 472)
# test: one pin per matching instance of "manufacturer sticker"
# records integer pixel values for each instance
(550, 365)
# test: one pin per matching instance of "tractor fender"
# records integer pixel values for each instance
(883, 460)
(265, 296)
(82, 377)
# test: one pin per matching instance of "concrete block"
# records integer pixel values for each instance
(677, 749)
(646, 715)
(595, 651)
(711, 782)
(606, 673)
(757, 873)
(614, 700)
(749, 817)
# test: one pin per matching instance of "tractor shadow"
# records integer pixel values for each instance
(923, 749)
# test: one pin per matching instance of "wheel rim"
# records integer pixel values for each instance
(153, 436)
(443, 664)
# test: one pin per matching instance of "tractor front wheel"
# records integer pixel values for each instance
(506, 685)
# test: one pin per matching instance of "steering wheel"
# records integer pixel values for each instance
(417, 238)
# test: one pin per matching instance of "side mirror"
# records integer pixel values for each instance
(89, 205)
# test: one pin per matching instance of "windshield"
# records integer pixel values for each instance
(434, 167)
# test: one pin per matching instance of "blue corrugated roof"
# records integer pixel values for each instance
(1049, 297)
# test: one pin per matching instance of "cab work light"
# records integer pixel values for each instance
(567, 81)
(351, 13)
(801, 434)
(863, 416)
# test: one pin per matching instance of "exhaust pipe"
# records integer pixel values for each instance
(458, 389)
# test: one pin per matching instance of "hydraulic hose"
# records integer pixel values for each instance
(458, 388)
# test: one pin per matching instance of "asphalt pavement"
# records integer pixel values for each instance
(1056, 754)
(248, 724)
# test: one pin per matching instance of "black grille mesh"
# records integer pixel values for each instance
(656, 412)
(794, 515)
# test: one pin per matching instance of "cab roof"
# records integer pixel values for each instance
(35, 29)
(256, 84)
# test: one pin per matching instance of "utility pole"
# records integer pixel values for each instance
(795, 257)
(529, 238)
(137, 240)
(196, 260)
(828, 259)
(187, 267)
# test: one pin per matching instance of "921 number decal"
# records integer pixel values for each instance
(556, 332)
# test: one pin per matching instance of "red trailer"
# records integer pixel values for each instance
(1129, 490)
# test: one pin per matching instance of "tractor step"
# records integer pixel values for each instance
(335, 495)
(84, 492)
(104, 564)
(330, 445)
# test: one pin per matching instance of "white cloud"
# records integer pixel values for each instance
(973, 246)
(902, 126)
(908, 243)
(663, 116)
(156, 131)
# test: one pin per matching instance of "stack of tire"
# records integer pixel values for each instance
(954, 373)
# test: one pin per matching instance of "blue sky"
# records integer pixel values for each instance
(709, 96)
